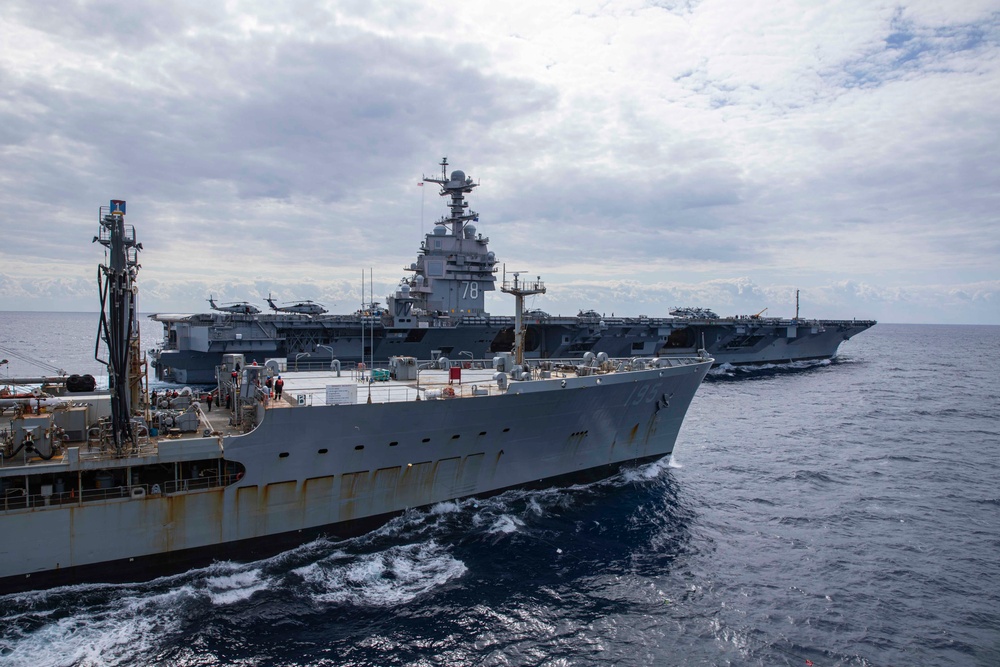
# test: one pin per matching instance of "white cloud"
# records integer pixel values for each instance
(637, 155)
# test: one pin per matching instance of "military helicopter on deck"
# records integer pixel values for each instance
(236, 307)
(302, 307)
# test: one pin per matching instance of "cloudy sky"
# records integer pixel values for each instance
(635, 155)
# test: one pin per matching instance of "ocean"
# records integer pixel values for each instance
(835, 513)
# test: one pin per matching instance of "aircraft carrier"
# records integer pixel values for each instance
(438, 310)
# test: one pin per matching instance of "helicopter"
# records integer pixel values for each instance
(236, 307)
(302, 307)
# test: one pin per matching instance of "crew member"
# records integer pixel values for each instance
(278, 384)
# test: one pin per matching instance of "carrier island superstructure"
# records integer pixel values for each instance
(124, 484)
(439, 310)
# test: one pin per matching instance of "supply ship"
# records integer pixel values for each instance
(125, 484)
(439, 310)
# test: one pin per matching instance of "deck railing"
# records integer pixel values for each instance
(15, 499)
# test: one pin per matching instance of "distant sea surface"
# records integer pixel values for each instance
(38, 343)
(843, 513)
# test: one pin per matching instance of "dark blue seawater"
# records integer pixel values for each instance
(842, 513)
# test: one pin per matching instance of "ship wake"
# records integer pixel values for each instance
(750, 371)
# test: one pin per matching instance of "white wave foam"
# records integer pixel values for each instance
(646, 472)
(393, 576)
(447, 507)
(505, 524)
(500, 513)
(119, 633)
(118, 624)
(235, 587)
(535, 507)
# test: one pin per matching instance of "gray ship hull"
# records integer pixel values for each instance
(314, 343)
(337, 470)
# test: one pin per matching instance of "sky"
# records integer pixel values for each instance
(637, 156)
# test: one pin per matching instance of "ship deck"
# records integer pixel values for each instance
(301, 389)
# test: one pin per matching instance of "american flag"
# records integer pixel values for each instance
(420, 185)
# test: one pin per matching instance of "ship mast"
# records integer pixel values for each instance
(520, 290)
(119, 325)
(457, 189)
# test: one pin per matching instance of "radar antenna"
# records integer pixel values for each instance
(457, 185)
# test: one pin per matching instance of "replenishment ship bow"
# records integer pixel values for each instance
(122, 485)
(439, 310)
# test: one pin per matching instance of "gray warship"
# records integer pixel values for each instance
(125, 484)
(438, 310)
